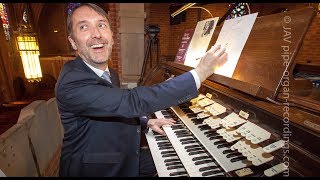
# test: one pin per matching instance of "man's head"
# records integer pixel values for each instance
(90, 34)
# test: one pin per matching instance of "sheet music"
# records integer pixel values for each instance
(200, 41)
(233, 35)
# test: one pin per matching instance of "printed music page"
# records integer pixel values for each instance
(233, 35)
(200, 41)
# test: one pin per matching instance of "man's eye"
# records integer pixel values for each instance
(83, 27)
(102, 25)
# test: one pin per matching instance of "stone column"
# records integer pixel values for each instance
(131, 16)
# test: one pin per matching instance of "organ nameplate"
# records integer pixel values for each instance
(216, 109)
(212, 122)
(244, 114)
(279, 168)
(253, 132)
(274, 146)
(244, 172)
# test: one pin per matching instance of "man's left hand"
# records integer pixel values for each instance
(155, 124)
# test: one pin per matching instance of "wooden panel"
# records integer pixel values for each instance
(261, 63)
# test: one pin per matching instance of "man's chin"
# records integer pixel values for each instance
(97, 61)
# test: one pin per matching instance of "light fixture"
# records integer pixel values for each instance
(28, 47)
(183, 8)
(187, 6)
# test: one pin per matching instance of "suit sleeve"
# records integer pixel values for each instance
(86, 97)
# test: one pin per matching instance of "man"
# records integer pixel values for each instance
(101, 138)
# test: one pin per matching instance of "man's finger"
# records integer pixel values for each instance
(158, 130)
(223, 59)
(214, 48)
(220, 52)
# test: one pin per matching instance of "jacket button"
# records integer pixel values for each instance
(138, 130)
(137, 152)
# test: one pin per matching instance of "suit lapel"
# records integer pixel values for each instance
(81, 65)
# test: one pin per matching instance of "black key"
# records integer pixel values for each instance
(173, 127)
(224, 145)
(175, 167)
(160, 138)
(167, 152)
(196, 152)
(215, 137)
(211, 172)
(200, 158)
(211, 131)
(181, 131)
(178, 173)
(203, 162)
(169, 155)
(238, 159)
(165, 112)
(188, 142)
(219, 142)
(163, 143)
(194, 149)
(156, 133)
(186, 139)
(173, 163)
(208, 168)
(165, 147)
(192, 146)
(183, 135)
(233, 154)
(205, 128)
(171, 160)
(192, 115)
(227, 151)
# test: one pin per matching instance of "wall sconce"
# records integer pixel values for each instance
(29, 52)
(187, 6)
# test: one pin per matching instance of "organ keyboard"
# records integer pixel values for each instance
(200, 150)
(245, 125)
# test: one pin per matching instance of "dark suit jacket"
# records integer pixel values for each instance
(100, 136)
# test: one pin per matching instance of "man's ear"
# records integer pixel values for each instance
(73, 44)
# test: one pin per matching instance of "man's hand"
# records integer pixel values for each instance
(216, 56)
(155, 124)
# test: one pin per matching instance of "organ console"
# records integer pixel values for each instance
(264, 121)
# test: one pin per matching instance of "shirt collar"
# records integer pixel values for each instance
(98, 72)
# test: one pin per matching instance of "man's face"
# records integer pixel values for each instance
(91, 36)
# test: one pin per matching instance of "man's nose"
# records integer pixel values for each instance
(96, 33)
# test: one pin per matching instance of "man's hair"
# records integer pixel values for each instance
(94, 7)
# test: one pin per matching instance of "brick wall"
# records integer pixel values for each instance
(310, 49)
(115, 62)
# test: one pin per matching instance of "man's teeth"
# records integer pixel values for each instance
(97, 46)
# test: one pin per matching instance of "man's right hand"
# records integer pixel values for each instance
(216, 56)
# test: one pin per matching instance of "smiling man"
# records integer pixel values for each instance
(101, 128)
